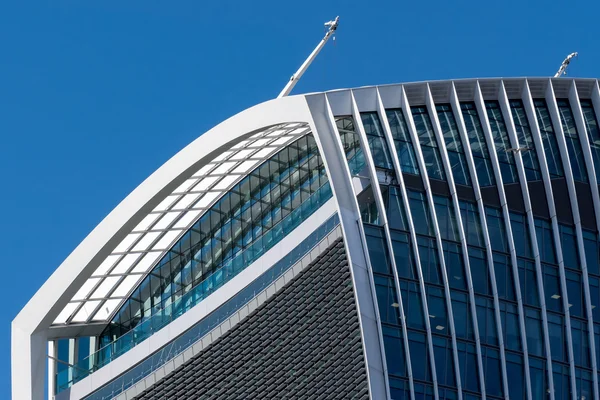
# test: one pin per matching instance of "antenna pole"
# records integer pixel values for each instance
(296, 77)
(563, 67)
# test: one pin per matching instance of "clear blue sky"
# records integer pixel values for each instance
(95, 95)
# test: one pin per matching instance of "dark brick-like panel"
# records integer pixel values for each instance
(303, 343)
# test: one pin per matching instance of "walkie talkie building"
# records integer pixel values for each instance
(432, 240)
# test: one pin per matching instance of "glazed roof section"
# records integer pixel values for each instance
(120, 273)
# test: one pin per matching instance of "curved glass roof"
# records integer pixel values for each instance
(112, 282)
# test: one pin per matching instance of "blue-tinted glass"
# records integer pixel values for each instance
(454, 146)
(454, 265)
(548, 139)
(404, 146)
(395, 210)
(569, 247)
(585, 384)
(556, 333)
(496, 229)
(581, 346)
(413, 304)
(368, 208)
(419, 356)
(502, 144)
(510, 326)
(430, 261)
(515, 372)
(378, 251)
(572, 139)
(537, 374)
(595, 297)
(486, 321)
(376, 139)
(399, 389)
(479, 271)
(545, 241)
(446, 218)
(387, 300)
(591, 124)
(351, 142)
(575, 294)
(438, 317)
(528, 282)
(429, 145)
(529, 154)
(394, 351)
(560, 378)
(403, 255)
(467, 359)
(420, 213)
(479, 148)
(518, 224)
(552, 288)
(504, 277)
(492, 371)
(533, 327)
(590, 242)
(471, 223)
(62, 353)
(444, 362)
(463, 324)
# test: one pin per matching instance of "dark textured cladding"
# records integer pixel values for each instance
(303, 343)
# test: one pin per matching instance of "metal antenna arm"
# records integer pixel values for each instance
(563, 67)
(296, 77)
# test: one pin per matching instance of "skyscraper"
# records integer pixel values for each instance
(421, 240)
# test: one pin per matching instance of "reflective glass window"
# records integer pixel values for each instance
(510, 326)
(504, 277)
(444, 361)
(430, 261)
(545, 241)
(551, 151)
(590, 243)
(479, 148)
(429, 145)
(421, 216)
(593, 131)
(496, 229)
(595, 297)
(572, 139)
(469, 369)
(438, 316)
(533, 327)
(471, 223)
(581, 346)
(552, 288)
(528, 282)
(403, 255)
(446, 218)
(396, 213)
(486, 321)
(526, 144)
(454, 147)
(584, 383)
(561, 380)
(518, 224)
(402, 141)
(351, 142)
(395, 356)
(463, 324)
(492, 371)
(378, 251)
(515, 372)
(506, 158)
(368, 207)
(419, 356)
(387, 300)
(479, 271)
(413, 304)
(453, 259)
(376, 139)
(399, 389)
(569, 247)
(537, 374)
(575, 294)
(558, 337)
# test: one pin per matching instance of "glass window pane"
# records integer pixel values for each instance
(429, 146)
(402, 141)
(548, 139)
(376, 139)
(572, 139)
(502, 144)
(454, 146)
(528, 152)
(593, 131)
(479, 148)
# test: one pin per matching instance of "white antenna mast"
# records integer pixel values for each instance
(563, 67)
(296, 77)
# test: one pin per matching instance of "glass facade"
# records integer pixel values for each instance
(429, 144)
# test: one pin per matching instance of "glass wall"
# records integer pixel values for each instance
(376, 139)
(593, 131)
(572, 139)
(429, 145)
(506, 158)
(454, 147)
(551, 151)
(247, 221)
(402, 141)
(479, 147)
(526, 145)
(351, 144)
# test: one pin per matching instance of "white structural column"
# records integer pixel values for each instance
(341, 184)
(438, 237)
(52, 355)
(384, 222)
(541, 154)
(510, 126)
(482, 111)
(562, 145)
